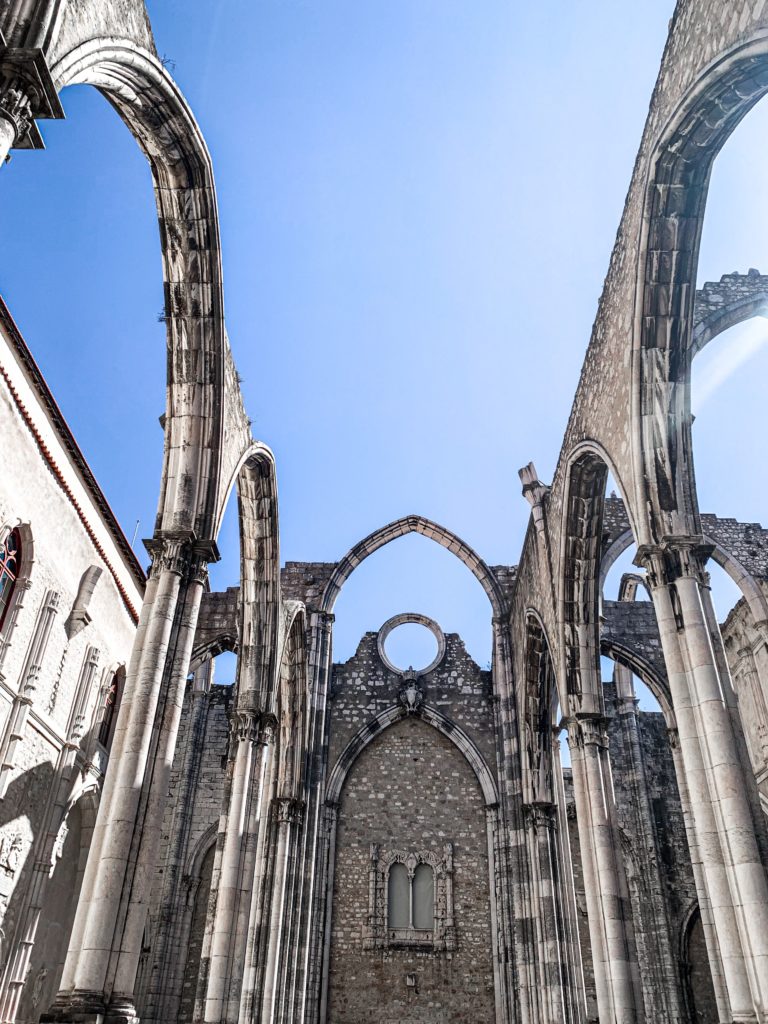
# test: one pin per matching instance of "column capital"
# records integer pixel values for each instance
(674, 558)
(253, 726)
(27, 92)
(288, 810)
(588, 730)
(541, 814)
(245, 726)
(168, 554)
(181, 554)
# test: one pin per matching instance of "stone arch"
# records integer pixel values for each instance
(664, 302)
(432, 717)
(211, 648)
(433, 531)
(540, 701)
(580, 581)
(624, 655)
(722, 304)
(291, 710)
(744, 580)
(695, 969)
(259, 607)
(154, 110)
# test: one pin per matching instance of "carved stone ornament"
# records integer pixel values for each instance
(27, 92)
(16, 107)
(11, 847)
(411, 694)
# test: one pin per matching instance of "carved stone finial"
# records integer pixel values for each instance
(535, 493)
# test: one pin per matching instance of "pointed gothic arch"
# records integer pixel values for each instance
(675, 201)
(431, 716)
(432, 531)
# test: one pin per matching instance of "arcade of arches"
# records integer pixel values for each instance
(350, 843)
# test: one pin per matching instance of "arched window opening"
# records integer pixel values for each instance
(10, 562)
(423, 889)
(697, 975)
(411, 898)
(111, 707)
(399, 903)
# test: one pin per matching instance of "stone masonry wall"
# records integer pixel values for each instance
(411, 789)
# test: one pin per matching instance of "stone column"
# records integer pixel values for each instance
(616, 970)
(542, 828)
(705, 906)
(101, 965)
(288, 816)
(253, 736)
(725, 830)
(572, 966)
(309, 972)
(516, 973)
(163, 992)
(661, 987)
(331, 824)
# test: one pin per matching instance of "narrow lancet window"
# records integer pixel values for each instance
(423, 889)
(399, 903)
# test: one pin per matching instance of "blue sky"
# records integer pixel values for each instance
(418, 201)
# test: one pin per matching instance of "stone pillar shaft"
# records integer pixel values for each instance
(229, 937)
(106, 938)
(277, 910)
(125, 963)
(732, 869)
(616, 973)
(705, 907)
(542, 828)
(86, 968)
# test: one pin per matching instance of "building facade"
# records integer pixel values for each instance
(335, 843)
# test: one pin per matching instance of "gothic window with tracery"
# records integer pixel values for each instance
(410, 899)
(10, 562)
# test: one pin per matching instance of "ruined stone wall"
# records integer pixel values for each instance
(410, 790)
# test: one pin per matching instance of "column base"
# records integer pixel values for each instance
(88, 1008)
(76, 1008)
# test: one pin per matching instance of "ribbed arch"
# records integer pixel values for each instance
(747, 584)
(432, 531)
(154, 110)
(674, 210)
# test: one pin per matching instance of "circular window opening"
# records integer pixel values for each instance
(411, 642)
(411, 646)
